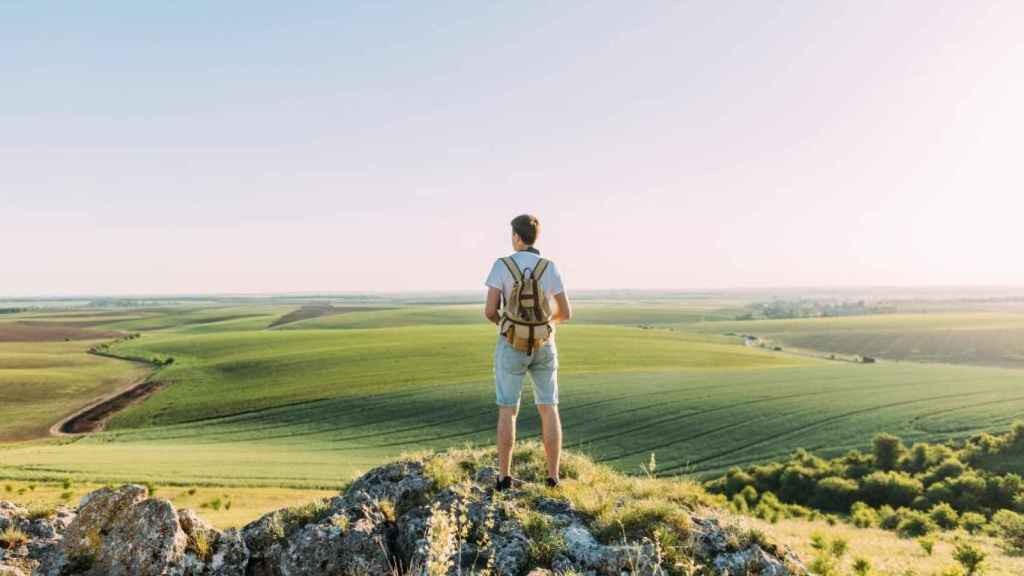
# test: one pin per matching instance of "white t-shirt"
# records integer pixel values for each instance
(501, 278)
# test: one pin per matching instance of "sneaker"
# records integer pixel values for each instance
(552, 482)
(503, 484)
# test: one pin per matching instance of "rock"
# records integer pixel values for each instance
(394, 519)
(11, 514)
(230, 556)
(328, 550)
(264, 539)
(148, 541)
(10, 571)
(611, 560)
(98, 512)
(753, 560)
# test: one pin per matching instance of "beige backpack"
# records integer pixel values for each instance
(526, 316)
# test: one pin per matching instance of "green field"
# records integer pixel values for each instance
(310, 403)
(41, 382)
(984, 338)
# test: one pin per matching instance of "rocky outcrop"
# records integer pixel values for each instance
(396, 519)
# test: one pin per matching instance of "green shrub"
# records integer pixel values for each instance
(887, 450)
(861, 566)
(1010, 527)
(888, 518)
(892, 488)
(944, 516)
(863, 516)
(736, 480)
(914, 523)
(970, 557)
(796, 484)
(927, 544)
(834, 493)
(749, 493)
(972, 522)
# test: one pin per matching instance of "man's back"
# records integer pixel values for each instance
(501, 278)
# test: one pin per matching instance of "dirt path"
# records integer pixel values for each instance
(94, 417)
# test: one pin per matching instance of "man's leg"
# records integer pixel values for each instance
(506, 439)
(551, 428)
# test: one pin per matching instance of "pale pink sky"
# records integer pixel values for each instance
(242, 148)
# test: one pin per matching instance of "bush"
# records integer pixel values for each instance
(913, 524)
(834, 493)
(856, 464)
(970, 491)
(927, 544)
(949, 468)
(736, 480)
(892, 488)
(796, 484)
(1010, 527)
(970, 557)
(739, 504)
(944, 516)
(863, 516)
(887, 451)
(888, 519)
(749, 493)
(972, 522)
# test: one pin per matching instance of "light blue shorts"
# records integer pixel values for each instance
(510, 365)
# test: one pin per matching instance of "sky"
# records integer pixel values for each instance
(251, 147)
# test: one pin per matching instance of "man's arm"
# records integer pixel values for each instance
(562, 311)
(493, 301)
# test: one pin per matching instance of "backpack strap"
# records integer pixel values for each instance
(513, 269)
(540, 268)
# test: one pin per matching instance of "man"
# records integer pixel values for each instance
(511, 364)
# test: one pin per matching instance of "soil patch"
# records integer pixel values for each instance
(317, 310)
(28, 331)
(95, 417)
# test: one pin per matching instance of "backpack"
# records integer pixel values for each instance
(526, 316)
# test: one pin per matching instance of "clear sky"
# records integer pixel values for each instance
(338, 146)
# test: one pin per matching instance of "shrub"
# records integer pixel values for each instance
(939, 492)
(887, 450)
(888, 519)
(834, 493)
(749, 493)
(856, 464)
(893, 488)
(863, 516)
(1010, 527)
(796, 484)
(970, 557)
(944, 516)
(914, 524)
(861, 566)
(736, 480)
(970, 491)
(972, 522)
(949, 468)
(927, 544)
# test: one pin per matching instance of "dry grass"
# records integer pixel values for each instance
(888, 553)
(247, 504)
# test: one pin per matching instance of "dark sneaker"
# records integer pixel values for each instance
(503, 484)
(552, 482)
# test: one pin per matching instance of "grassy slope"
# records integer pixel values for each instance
(311, 407)
(41, 382)
(985, 338)
(226, 373)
